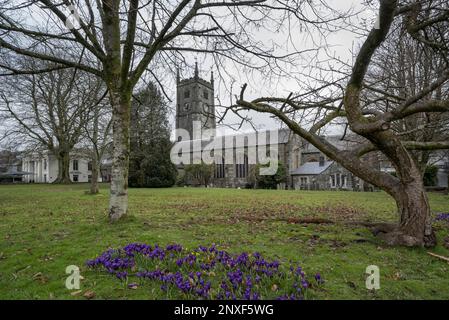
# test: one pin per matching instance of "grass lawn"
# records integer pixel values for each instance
(44, 228)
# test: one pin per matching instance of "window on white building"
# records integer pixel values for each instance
(75, 178)
(75, 166)
(220, 169)
(242, 168)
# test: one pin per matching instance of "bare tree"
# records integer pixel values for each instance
(50, 110)
(98, 131)
(403, 67)
(373, 111)
(121, 40)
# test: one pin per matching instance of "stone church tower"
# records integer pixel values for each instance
(195, 102)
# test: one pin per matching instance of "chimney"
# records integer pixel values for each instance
(321, 161)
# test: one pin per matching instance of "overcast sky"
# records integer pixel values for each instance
(342, 42)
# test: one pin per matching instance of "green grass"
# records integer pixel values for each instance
(44, 228)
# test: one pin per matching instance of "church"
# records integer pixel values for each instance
(235, 156)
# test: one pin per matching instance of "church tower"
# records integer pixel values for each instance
(195, 102)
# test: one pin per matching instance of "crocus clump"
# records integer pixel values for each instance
(442, 217)
(205, 272)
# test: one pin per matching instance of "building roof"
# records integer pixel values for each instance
(311, 168)
(283, 137)
(348, 143)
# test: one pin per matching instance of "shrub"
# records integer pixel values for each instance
(430, 176)
(268, 181)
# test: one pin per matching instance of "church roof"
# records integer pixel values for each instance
(311, 168)
(348, 143)
(284, 136)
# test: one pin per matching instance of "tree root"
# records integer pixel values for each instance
(388, 232)
(393, 236)
(397, 238)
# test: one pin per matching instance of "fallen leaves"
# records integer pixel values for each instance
(40, 277)
(76, 293)
(89, 294)
(133, 286)
(397, 276)
(47, 258)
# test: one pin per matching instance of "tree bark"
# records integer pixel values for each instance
(415, 221)
(63, 168)
(447, 188)
(95, 157)
(118, 205)
(95, 171)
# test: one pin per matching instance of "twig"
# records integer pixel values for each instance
(438, 256)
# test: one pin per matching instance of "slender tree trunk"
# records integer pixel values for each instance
(118, 205)
(95, 157)
(447, 188)
(63, 168)
(95, 172)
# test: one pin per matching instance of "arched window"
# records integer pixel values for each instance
(219, 169)
(296, 160)
(241, 169)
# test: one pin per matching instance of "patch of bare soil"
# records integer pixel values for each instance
(291, 213)
(339, 212)
(188, 206)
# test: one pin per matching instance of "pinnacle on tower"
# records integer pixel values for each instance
(196, 70)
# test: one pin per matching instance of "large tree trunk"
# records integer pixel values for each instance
(118, 205)
(415, 221)
(63, 168)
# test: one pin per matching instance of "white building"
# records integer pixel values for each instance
(44, 168)
(442, 173)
